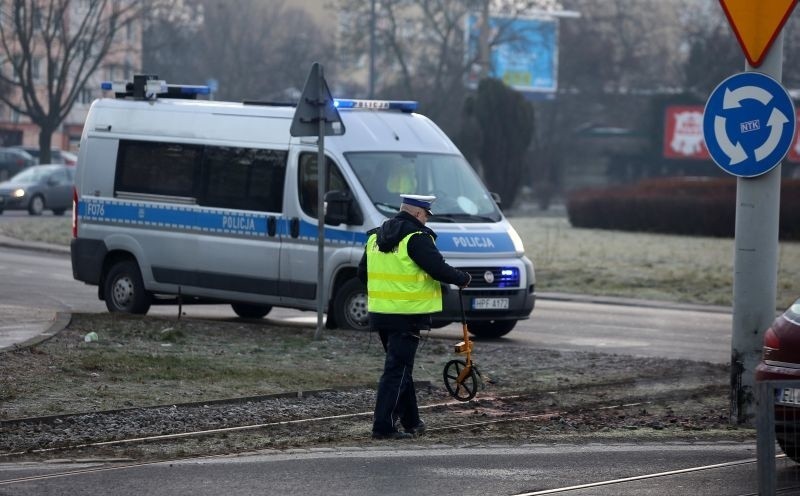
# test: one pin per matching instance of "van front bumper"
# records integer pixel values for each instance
(520, 305)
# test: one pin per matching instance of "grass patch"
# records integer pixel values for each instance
(642, 265)
(131, 365)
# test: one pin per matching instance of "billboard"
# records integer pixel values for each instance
(683, 134)
(524, 55)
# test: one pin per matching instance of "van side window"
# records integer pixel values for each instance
(243, 178)
(307, 181)
(157, 168)
(212, 176)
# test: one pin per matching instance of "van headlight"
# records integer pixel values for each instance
(18, 193)
(516, 240)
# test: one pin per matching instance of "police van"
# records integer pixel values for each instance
(209, 201)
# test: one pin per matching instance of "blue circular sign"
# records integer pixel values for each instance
(748, 124)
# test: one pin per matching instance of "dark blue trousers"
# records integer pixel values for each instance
(396, 397)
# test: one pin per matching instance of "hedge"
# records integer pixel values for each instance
(677, 205)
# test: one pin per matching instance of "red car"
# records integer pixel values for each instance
(781, 361)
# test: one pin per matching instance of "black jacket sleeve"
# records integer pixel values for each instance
(362, 268)
(423, 251)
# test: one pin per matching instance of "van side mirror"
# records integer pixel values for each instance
(496, 198)
(339, 208)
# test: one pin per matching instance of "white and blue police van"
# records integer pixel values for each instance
(179, 199)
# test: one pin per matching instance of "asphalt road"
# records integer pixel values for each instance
(723, 469)
(44, 281)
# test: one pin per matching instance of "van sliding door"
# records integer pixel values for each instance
(240, 207)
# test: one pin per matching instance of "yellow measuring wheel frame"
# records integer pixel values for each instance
(461, 377)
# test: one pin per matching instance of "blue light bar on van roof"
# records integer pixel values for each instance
(191, 89)
(402, 105)
(156, 88)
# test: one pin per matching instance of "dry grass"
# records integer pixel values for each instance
(587, 261)
(139, 361)
(642, 265)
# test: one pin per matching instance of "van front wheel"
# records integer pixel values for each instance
(124, 290)
(250, 311)
(350, 306)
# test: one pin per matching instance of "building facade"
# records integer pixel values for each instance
(45, 58)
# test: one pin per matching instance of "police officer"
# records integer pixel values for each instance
(402, 269)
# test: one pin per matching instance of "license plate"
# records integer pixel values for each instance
(490, 303)
(787, 396)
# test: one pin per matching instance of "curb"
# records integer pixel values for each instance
(633, 302)
(60, 322)
(8, 242)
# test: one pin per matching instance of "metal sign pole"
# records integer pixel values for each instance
(321, 175)
(316, 115)
(755, 267)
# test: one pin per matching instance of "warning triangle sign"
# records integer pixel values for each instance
(316, 104)
(756, 24)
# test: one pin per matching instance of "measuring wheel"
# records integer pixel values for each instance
(461, 381)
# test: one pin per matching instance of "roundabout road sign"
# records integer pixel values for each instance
(748, 124)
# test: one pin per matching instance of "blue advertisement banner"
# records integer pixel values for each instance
(524, 54)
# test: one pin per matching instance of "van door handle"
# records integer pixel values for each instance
(272, 224)
(294, 227)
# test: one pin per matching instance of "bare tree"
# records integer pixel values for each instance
(52, 47)
(421, 49)
(170, 28)
(255, 49)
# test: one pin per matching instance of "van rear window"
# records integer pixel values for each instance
(157, 168)
(213, 176)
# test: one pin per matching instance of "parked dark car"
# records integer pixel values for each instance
(780, 360)
(39, 188)
(13, 160)
(56, 156)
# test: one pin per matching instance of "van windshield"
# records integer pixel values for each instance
(460, 195)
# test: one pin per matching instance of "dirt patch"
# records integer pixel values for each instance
(530, 395)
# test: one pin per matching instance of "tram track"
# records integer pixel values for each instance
(49, 419)
(485, 414)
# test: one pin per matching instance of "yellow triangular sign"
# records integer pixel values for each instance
(756, 24)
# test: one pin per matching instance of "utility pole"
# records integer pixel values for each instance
(755, 158)
(372, 50)
(483, 42)
(755, 278)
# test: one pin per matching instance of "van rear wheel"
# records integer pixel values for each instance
(124, 289)
(250, 311)
(350, 306)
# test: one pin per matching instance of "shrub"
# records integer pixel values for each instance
(677, 205)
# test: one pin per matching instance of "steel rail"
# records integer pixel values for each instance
(302, 394)
(225, 430)
(640, 477)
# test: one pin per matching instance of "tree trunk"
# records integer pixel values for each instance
(45, 143)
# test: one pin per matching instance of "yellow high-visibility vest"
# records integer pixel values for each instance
(396, 284)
